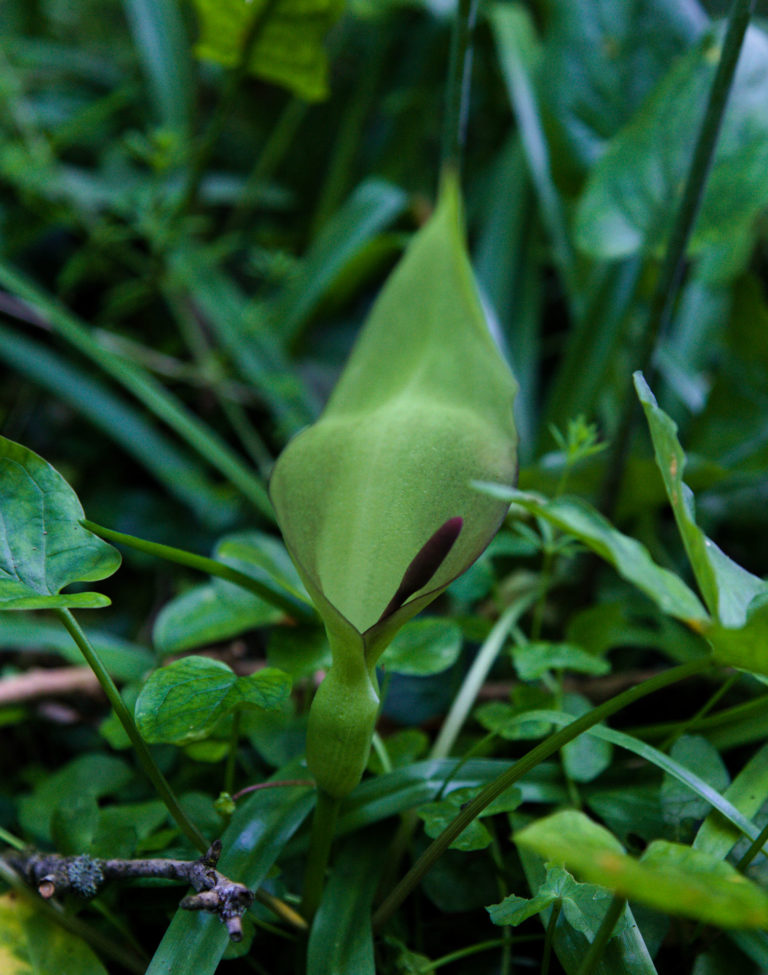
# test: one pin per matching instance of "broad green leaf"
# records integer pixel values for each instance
(341, 939)
(288, 47)
(424, 646)
(93, 775)
(124, 660)
(351, 493)
(669, 877)
(43, 547)
(437, 815)
(587, 756)
(727, 588)
(632, 192)
(184, 701)
(402, 749)
(533, 660)
(207, 614)
(262, 557)
(601, 58)
(630, 559)
(678, 802)
(34, 944)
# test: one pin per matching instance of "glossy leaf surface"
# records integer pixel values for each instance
(43, 547)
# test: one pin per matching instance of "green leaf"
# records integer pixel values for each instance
(727, 588)
(587, 756)
(630, 559)
(437, 815)
(341, 939)
(184, 701)
(207, 614)
(514, 910)
(601, 59)
(678, 802)
(43, 547)
(747, 792)
(632, 192)
(288, 48)
(34, 944)
(351, 496)
(424, 646)
(669, 877)
(124, 660)
(533, 660)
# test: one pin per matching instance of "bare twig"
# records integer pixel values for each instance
(53, 874)
(51, 682)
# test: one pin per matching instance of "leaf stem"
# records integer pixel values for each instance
(323, 825)
(459, 80)
(125, 717)
(524, 765)
(603, 936)
(549, 936)
(289, 605)
(671, 273)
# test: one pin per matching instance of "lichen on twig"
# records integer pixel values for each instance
(54, 874)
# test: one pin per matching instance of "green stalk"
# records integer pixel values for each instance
(671, 273)
(592, 958)
(459, 79)
(549, 936)
(125, 717)
(524, 765)
(323, 825)
(234, 738)
(478, 672)
(291, 607)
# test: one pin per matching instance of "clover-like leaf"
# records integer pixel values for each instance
(184, 701)
(43, 546)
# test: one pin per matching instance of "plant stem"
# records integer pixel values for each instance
(125, 717)
(670, 275)
(603, 936)
(549, 937)
(234, 738)
(291, 606)
(477, 675)
(323, 825)
(524, 765)
(459, 79)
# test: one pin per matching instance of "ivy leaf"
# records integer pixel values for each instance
(43, 546)
(184, 701)
(288, 49)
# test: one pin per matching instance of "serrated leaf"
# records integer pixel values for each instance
(43, 547)
(184, 701)
(424, 646)
(288, 49)
(669, 877)
(632, 192)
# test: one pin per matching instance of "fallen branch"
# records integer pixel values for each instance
(53, 874)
